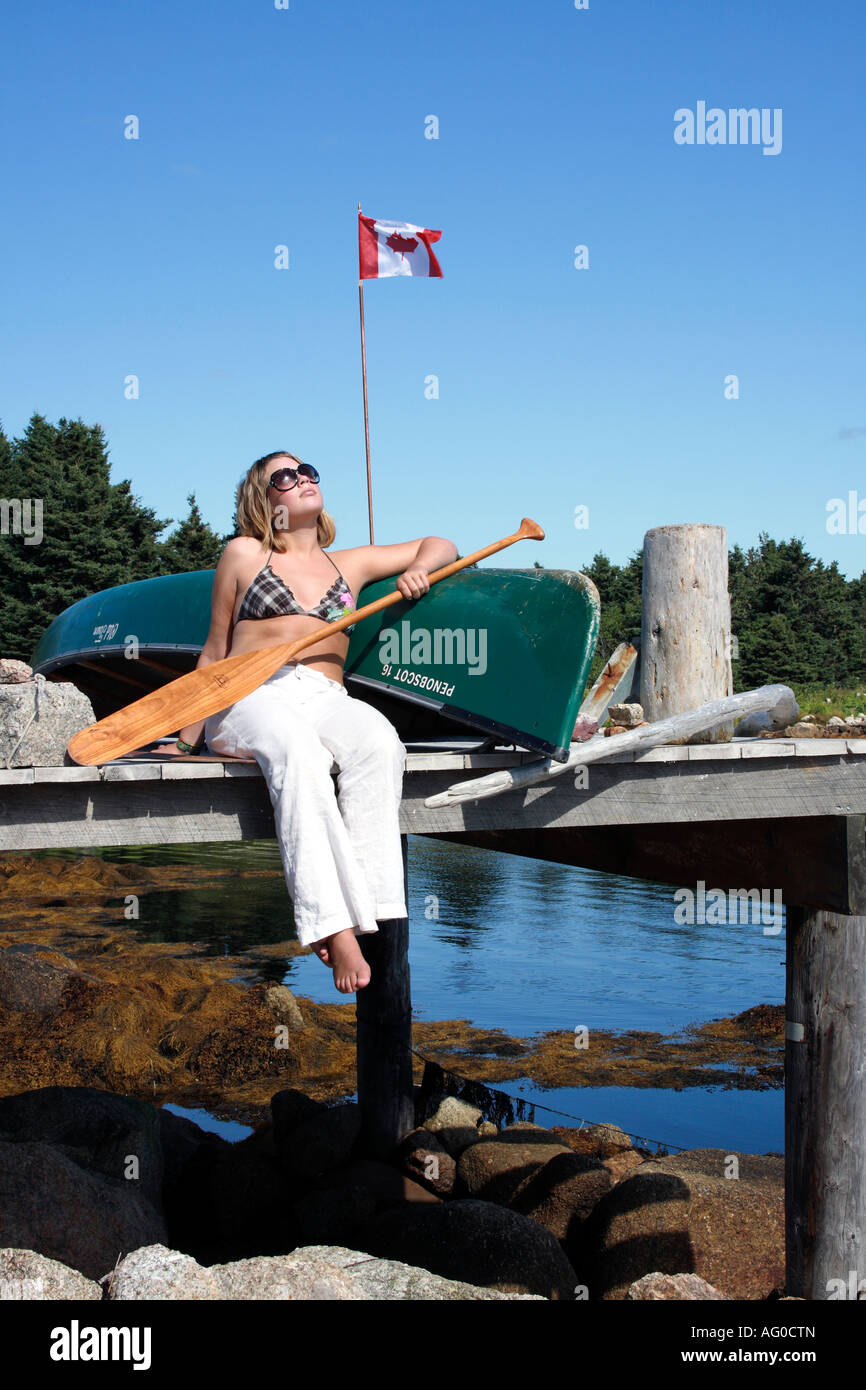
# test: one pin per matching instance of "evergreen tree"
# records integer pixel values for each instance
(619, 588)
(95, 534)
(193, 546)
(795, 619)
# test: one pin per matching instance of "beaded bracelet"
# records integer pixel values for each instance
(189, 747)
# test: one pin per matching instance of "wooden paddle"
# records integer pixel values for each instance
(211, 688)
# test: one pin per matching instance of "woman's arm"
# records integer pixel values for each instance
(219, 639)
(411, 561)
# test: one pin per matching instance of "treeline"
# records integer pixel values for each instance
(795, 619)
(67, 531)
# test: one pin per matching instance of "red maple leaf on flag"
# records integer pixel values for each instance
(401, 243)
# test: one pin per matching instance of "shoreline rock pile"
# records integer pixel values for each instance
(105, 1196)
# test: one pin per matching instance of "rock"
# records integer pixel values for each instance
(455, 1124)
(13, 672)
(183, 1141)
(335, 1216)
(626, 716)
(208, 1207)
(426, 1160)
(391, 1279)
(762, 721)
(656, 1287)
(33, 978)
(618, 1165)
(603, 1141)
(480, 1242)
(318, 1272)
(26, 1275)
(157, 1273)
(454, 1114)
(560, 1197)
(320, 1143)
(99, 1131)
(284, 1006)
(755, 724)
(834, 722)
(300, 1275)
(681, 1215)
(289, 1108)
(487, 1129)
(494, 1170)
(584, 728)
(249, 1209)
(334, 1212)
(80, 1218)
(803, 730)
(37, 720)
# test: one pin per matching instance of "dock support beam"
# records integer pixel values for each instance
(384, 1034)
(825, 1089)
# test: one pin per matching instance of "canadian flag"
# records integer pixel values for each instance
(395, 248)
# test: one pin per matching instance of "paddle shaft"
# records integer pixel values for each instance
(214, 687)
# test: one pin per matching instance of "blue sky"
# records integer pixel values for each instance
(558, 387)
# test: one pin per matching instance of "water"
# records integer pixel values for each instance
(527, 947)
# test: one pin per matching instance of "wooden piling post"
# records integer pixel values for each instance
(384, 1034)
(685, 656)
(825, 1088)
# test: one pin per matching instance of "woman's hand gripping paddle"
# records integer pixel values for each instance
(203, 692)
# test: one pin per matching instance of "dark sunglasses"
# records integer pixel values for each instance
(286, 478)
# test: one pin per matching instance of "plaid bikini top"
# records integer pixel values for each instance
(269, 596)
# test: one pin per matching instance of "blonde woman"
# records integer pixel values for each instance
(275, 583)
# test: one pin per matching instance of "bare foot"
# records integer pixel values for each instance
(351, 971)
(320, 948)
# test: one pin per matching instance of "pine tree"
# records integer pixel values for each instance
(95, 534)
(193, 546)
(619, 589)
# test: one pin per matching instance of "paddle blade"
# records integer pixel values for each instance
(183, 701)
(530, 530)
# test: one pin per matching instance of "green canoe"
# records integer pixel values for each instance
(506, 652)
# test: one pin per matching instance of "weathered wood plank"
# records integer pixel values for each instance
(16, 776)
(65, 774)
(124, 772)
(825, 1102)
(703, 752)
(189, 772)
(635, 792)
(770, 748)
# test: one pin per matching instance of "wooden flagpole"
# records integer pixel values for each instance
(366, 414)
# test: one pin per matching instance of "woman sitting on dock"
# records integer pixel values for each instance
(341, 855)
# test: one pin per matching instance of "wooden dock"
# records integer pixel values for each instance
(765, 814)
(744, 816)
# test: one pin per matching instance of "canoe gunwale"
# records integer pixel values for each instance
(68, 658)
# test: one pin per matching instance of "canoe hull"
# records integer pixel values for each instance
(504, 652)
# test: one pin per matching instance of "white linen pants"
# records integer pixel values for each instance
(341, 854)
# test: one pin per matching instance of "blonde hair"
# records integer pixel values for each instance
(254, 514)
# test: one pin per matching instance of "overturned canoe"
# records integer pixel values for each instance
(505, 652)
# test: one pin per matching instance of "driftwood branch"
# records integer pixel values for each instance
(777, 699)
